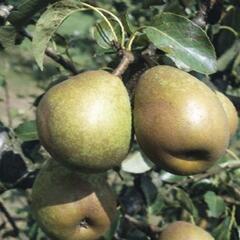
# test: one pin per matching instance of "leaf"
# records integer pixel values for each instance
(183, 41)
(12, 167)
(27, 131)
(158, 205)
(137, 163)
(109, 235)
(170, 178)
(7, 36)
(128, 23)
(222, 231)
(48, 24)
(186, 202)
(149, 189)
(228, 56)
(216, 205)
(2, 81)
(103, 34)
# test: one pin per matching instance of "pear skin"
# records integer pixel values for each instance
(179, 122)
(184, 231)
(85, 122)
(71, 206)
(231, 112)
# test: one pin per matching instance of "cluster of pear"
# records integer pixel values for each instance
(85, 123)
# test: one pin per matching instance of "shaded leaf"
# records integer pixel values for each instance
(216, 205)
(226, 58)
(27, 131)
(109, 235)
(128, 23)
(12, 167)
(184, 41)
(2, 81)
(103, 34)
(7, 36)
(149, 189)
(186, 202)
(222, 231)
(158, 205)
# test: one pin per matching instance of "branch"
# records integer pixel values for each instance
(24, 182)
(54, 56)
(127, 59)
(228, 166)
(10, 219)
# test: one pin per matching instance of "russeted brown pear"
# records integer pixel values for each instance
(230, 111)
(85, 122)
(184, 231)
(72, 206)
(179, 122)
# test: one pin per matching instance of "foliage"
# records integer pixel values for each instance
(157, 32)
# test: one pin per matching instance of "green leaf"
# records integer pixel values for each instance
(183, 41)
(216, 205)
(7, 36)
(109, 235)
(149, 189)
(186, 202)
(48, 24)
(228, 56)
(158, 205)
(2, 81)
(222, 231)
(103, 34)
(27, 131)
(128, 23)
(136, 163)
(170, 178)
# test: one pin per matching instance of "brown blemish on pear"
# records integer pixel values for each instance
(179, 122)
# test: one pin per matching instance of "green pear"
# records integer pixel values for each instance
(85, 122)
(184, 231)
(231, 112)
(72, 206)
(179, 122)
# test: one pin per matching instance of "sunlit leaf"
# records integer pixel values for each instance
(184, 41)
(136, 162)
(48, 24)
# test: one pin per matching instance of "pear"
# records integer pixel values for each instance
(230, 111)
(85, 122)
(184, 231)
(72, 206)
(179, 122)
